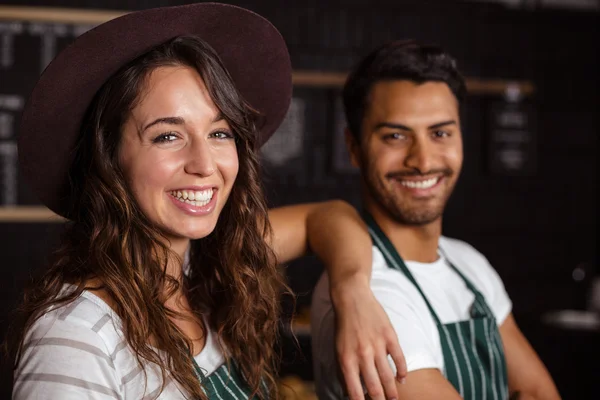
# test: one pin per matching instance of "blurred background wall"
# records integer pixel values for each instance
(526, 199)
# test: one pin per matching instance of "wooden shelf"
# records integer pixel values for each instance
(300, 324)
(319, 79)
(31, 214)
(58, 15)
(300, 330)
(294, 388)
(500, 87)
(475, 86)
(315, 79)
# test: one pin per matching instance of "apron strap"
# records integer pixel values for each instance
(480, 306)
(393, 258)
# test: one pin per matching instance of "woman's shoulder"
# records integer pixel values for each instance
(85, 319)
(73, 344)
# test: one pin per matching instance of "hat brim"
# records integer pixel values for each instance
(251, 48)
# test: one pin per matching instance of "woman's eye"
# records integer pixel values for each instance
(165, 138)
(222, 135)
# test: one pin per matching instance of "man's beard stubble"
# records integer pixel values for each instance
(405, 214)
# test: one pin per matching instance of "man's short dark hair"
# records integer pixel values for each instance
(399, 60)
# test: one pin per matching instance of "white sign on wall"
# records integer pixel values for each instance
(288, 141)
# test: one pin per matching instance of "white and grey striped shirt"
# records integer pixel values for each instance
(78, 351)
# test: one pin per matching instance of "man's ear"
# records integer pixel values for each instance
(353, 148)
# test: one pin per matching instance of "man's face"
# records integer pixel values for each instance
(411, 149)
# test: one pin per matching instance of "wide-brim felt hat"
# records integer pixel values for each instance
(251, 48)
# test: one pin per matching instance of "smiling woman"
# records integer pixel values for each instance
(151, 131)
(166, 283)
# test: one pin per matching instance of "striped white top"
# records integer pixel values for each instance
(78, 351)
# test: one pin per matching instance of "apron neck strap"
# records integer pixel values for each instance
(393, 259)
(470, 285)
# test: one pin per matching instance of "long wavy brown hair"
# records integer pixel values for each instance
(233, 278)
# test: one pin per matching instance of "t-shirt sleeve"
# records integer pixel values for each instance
(497, 296)
(408, 314)
(486, 277)
(65, 359)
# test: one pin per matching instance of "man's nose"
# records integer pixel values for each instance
(419, 157)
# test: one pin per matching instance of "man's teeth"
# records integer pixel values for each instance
(195, 198)
(420, 184)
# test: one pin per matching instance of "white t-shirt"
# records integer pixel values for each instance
(78, 351)
(417, 333)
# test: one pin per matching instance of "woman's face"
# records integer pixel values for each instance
(178, 154)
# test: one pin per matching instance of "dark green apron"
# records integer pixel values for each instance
(473, 354)
(225, 383)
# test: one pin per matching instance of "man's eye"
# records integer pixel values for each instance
(440, 134)
(165, 138)
(394, 136)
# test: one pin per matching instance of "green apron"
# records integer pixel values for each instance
(474, 360)
(225, 383)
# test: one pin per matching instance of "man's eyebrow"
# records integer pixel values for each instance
(442, 124)
(392, 126)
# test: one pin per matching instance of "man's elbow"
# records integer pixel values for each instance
(539, 392)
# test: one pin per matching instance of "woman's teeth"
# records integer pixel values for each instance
(420, 184)
(195, 198)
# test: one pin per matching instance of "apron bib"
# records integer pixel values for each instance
(225, 383)
(474, 360)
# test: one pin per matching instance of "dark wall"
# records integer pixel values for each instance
(535, 229)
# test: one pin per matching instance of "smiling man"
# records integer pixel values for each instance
(447, 304)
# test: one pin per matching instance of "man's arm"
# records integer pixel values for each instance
(364, 336)
(324, 227)
(528, 379)
(427, 384)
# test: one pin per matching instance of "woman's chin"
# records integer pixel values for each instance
(199, 233)
(189, 228)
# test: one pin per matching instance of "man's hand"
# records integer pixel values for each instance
(364, 338)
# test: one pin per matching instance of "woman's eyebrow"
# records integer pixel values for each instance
(165, 120)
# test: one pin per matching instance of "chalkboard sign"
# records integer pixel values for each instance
(26, 48)
(287, 142)
(512, 139)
